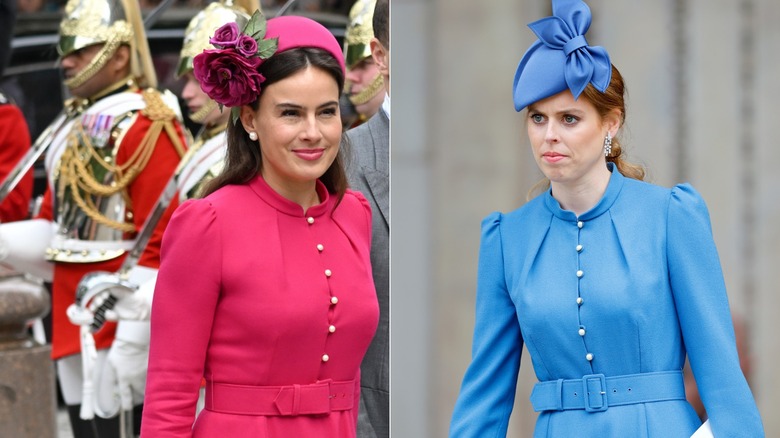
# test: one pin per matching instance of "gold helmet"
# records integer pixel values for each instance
(111, 23)
(359, 32)
(203, 25)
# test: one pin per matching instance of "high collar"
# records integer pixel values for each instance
(286, 206)
(208, 132)
(125, 84)
(616, 180)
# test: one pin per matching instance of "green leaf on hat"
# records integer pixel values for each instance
(255, 27)
(235, 112)
(266, 48)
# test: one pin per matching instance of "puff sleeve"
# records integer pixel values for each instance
(185, 298)
(703, 311)
(488, 390)
(366, 210)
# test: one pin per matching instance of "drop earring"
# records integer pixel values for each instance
(253, 135)
(607, 144)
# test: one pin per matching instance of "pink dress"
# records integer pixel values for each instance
(273, 306)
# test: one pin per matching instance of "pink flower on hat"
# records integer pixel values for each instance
(247, 45)
(228, 77)
(226, 36)
(228, 74)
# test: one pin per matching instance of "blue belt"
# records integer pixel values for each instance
(595, 393)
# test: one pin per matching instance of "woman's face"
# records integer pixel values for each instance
(298, 124)
(567, 137)
(201, 108)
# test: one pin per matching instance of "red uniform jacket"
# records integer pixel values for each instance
(143, 193)
(14, 143)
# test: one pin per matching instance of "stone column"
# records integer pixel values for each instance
(27, 395)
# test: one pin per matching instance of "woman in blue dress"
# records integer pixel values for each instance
(607, 280)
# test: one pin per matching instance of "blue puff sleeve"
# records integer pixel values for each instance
(488, 390)
(703, 310)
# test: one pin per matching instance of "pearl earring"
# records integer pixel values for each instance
(607, 144)
(253, 135)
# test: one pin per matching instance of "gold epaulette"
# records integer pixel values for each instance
(162, 117)
(156, 109)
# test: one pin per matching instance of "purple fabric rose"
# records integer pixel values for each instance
(226, 36)
(228, 77)
(247, 46)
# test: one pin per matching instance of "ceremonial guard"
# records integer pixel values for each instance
(364, 88)
(202, 162)
(208, 149)
(109, 156)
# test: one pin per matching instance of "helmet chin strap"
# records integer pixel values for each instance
(121, 32)
(200, 115)
(98, 62)
(369, 92)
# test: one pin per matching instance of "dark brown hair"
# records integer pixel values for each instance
(380, 22)
(244, 160)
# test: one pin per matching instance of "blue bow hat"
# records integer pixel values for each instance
(561, 58)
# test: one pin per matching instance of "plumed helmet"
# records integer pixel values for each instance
(111, 23)
(88, 22)
(205, 22)
(360, 30)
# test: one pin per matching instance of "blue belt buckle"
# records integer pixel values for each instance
(600, 392)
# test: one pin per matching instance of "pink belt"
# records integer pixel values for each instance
(314, 399)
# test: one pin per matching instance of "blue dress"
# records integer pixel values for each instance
(608, 304)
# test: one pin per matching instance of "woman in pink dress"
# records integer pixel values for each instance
(265, 288)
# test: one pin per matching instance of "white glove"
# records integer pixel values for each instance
(130, 362)
(133, 303)
(136, 306)
(130, 308)
(23, 246)
(120, 383)
(79, 315)
(84, 315)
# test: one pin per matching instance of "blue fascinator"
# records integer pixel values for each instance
(561, 58)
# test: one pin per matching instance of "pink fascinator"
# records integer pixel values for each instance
(294, 32)
(229, 73)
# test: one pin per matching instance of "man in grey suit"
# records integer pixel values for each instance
(369, 173)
